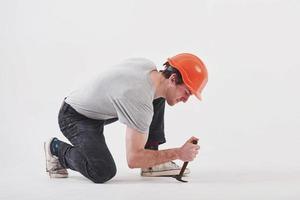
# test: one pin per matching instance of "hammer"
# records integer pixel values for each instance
(179, 176)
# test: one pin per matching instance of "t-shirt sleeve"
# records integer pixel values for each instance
(135, 114)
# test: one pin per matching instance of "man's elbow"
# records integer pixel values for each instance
(131, 165)
(135, 159)
(132, 162)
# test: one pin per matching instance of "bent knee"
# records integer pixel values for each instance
(102, 174)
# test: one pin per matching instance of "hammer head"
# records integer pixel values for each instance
(179, 178)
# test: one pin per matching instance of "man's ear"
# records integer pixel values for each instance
(173, 78)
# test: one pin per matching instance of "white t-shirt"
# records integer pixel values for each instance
(125, 92)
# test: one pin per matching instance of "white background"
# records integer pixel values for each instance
(248, 122)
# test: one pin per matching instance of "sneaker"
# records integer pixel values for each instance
(53, 167)
(165, 169)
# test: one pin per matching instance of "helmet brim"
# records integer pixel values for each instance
(198, 96)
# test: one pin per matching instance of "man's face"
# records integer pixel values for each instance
(177, 93)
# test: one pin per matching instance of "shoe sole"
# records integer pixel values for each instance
(46, 156)
(162, 173)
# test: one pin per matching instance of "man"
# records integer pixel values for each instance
(134, 93)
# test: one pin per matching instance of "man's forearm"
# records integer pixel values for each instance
(148, 158)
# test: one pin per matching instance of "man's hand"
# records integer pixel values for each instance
(189, 151)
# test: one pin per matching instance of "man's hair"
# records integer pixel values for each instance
(169, 70)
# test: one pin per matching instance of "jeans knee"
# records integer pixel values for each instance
(103, 173)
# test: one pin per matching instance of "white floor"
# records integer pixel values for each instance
(206, 184)
(217, 173)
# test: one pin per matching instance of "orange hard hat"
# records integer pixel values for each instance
(193, 71)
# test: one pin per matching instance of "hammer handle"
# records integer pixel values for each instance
(186, 163)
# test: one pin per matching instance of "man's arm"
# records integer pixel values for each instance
(138, 157)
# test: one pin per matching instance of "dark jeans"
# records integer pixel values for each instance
(89, 153)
